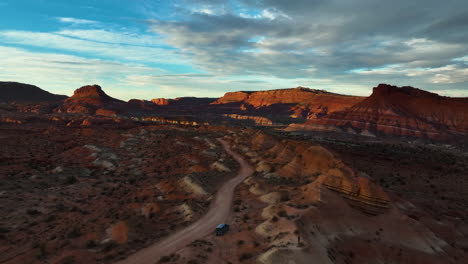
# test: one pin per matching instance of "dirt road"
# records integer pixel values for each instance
(217, 214)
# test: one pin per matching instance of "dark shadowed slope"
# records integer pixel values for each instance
(24, 93)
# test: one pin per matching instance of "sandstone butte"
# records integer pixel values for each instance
(300, 101)
(91, 94)
(404, 111)
(88, 99)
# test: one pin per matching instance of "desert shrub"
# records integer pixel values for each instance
(240, 242)
(282, 213)
(245, 217)
(41, 250)
(33, 212)
(165, 259)
(285, 197)
(172, 257)
(49, 218)
(91, 244)
(109, 246)
(68, 260)
(245, 256)
(70, 180)
(74, 232)
(274, 219)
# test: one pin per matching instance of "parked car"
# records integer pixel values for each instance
(222, 229)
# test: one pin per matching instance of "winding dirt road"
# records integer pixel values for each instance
(218, 213)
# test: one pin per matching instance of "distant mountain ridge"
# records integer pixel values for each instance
(390, 110)
(25, 93)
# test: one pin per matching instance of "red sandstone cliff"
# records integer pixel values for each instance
(298, 102)
(405, 111)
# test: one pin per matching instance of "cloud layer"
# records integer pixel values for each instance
(322, 38)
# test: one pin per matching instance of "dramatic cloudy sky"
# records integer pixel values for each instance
(151, 48)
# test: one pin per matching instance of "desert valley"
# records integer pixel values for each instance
(300, 175)
(233, 132)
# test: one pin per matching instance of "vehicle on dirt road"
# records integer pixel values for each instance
(222, 229)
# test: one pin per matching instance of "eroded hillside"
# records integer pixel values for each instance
(92, 194)
(304, 204)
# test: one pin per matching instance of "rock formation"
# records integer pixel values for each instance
(295, 102)
(141, 104)
(258, 120)
(90, 98)
(295, 160)
(403, 111)
(91, 94)
(160, 101)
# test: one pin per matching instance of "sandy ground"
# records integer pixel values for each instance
(218, 213)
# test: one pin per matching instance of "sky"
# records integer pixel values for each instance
(148, 49)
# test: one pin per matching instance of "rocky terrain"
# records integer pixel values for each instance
(73, 195)
(298, 102)
(390, 111)
(308, 202)
(93, 179)
(402, 111)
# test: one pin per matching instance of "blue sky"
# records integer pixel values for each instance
(146, 49)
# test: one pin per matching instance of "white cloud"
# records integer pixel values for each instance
(101, 35)
(447, 74)
(451, 92)
(62, 74)
(113, 50)
(206, 85)
(462, 59)
(269, 14)
(72, 20)
(205, 11)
